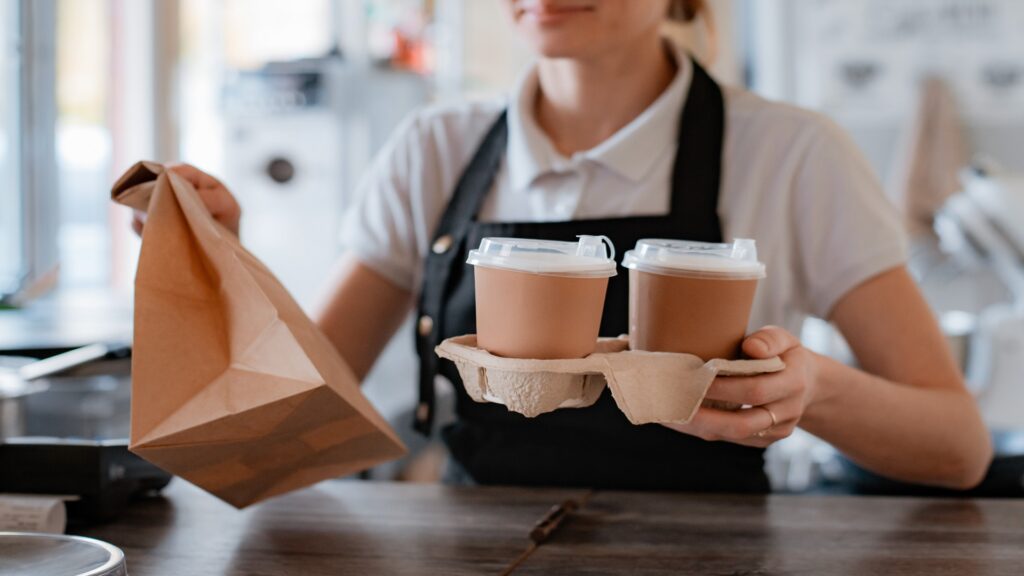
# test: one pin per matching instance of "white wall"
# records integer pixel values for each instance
(811, 52)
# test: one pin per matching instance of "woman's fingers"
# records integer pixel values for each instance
(215, 196)
(222, 206)
(195, 176)
(769, 342)
(743, 426)
(732, 425)
(751, 390)
(776, 400)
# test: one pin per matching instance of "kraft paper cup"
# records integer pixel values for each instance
(540, 299)
(691, 297)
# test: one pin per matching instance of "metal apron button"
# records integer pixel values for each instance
(422, 412)
(425, 325)
(442, 244)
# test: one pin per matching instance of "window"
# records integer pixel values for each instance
(115, 82)
(83, 83)
(11, 209)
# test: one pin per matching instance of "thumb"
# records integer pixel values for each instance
(769, 342)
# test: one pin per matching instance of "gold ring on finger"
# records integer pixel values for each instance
(775, 422)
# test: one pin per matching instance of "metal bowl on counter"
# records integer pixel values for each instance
(24, 553)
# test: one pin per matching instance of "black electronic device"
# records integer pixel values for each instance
(103, 474)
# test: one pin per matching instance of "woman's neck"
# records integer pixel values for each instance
(581, 103)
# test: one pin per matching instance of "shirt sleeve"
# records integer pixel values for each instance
(379, 228)
(847, 230)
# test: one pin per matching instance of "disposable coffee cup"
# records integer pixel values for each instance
(691, 297)
(541, 299)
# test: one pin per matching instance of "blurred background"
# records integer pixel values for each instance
(287, 103)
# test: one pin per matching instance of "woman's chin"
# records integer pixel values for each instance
(559, 46)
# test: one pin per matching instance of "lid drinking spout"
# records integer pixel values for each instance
(591, 246)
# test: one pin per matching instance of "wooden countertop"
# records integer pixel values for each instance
(336, 527)
(800, 535)
(347, 527)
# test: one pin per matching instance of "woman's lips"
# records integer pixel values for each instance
(549, 13)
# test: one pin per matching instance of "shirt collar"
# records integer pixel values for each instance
(630, 152)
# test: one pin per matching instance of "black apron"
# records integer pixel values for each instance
(594, 446)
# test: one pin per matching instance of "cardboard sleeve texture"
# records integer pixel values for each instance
(233, 387)
(648, 387)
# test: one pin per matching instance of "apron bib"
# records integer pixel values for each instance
(594, 446)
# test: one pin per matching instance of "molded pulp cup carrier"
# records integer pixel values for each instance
(539, 307)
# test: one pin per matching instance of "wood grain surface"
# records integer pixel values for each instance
(346, 527)
(639, 534)
(336, 527)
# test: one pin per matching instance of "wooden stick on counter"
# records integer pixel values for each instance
(546, 526)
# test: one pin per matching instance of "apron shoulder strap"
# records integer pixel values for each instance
(447, 245)
(475, 182)
(696, 174)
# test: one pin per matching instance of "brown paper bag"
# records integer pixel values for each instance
(233, 387)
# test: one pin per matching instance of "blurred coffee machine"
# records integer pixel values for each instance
(983, 228)
(299, 135)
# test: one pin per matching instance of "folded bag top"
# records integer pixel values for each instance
(233, 387)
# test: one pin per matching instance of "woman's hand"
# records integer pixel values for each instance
(218, 200)
(777, 400)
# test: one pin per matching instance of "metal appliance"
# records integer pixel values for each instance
(984, 225)
(299, 135)
(67, 433)
(24, 553)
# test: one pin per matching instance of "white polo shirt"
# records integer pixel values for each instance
(792, 180)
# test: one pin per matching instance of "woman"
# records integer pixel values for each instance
(615, 132)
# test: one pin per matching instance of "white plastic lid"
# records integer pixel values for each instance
(587, 258)
(735, 260)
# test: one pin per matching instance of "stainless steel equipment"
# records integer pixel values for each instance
(67, 433)
(22, 378)
(23, 553)
(984, 226)
(299, 136)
